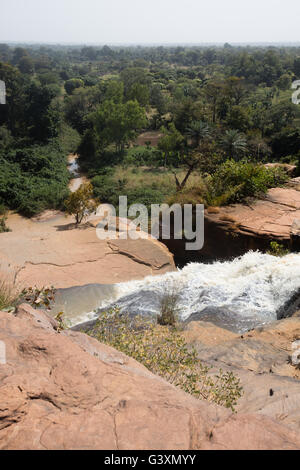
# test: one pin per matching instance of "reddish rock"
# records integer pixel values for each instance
(68, 391)
(290, 169)
(235, 229)
(51, 250)
(261, 359)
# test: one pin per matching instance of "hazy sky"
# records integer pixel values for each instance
(149, 21)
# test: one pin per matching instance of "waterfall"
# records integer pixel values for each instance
(239, 294)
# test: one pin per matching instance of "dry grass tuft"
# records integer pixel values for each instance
(9, 293)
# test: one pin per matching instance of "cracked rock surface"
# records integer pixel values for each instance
(271, 217)
(50, 250)
(68, 391)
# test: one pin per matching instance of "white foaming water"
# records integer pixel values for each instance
(250, 289)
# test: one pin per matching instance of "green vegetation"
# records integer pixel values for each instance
(210, 108)
(33, 178)
(69, 139)
(236, 181)
(164, 352)
(277, 249)
(140, 185)
(232, 182)
(80, 203)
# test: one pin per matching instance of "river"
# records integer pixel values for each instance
(238, 295)
(77, 179)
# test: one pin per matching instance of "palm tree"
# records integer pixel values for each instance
(198, 131)
(233, 143)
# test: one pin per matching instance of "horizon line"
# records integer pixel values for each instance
(151, 44)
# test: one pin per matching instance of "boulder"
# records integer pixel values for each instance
(68, 391)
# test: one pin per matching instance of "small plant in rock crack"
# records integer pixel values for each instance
(38, 297)
(62, 323)
(9, 295)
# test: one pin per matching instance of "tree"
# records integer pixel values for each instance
(140, 93)
(80, 203)
(80, 104)
(11, 114)
(233, 143)
(19, 53)
(198, 131)
(26, 65)
(286, 142)
(213, 91)
(204, 158)
(185, 110)
(118, 123)
(170, 142)
(297, 67)
(238, 118)
(257, 146)
(41, 117)
(284, 82)
(72, 84)
(235, 90)
(279, 116)
(114, 91)
(191, 162)
(133, 75)
(157, 98)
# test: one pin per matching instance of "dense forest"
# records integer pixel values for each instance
(185, 124)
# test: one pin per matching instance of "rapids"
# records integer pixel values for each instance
(239, 294)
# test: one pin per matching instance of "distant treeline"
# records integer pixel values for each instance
(211, 106)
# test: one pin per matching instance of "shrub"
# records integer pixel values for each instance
(80, 203)
(143, 156)
(34, 178)
(164, 352)
(144, 195)
(236, 181)
(108, 190)
(277, 249)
